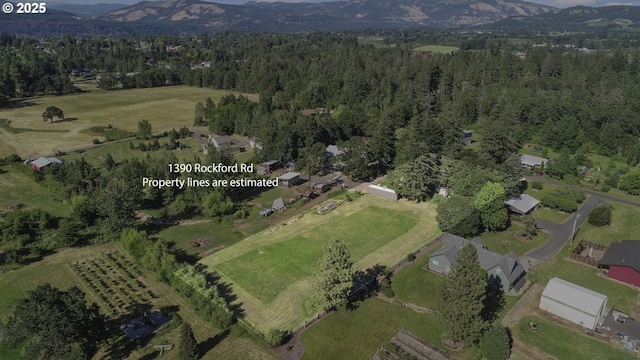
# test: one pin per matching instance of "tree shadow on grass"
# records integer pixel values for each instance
(206, 346)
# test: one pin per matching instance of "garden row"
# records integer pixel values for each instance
(114, 281)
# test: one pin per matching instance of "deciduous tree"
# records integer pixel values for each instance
(490, 203)
(496, 343)
(457, 215)
(52, 111)
(144, 130)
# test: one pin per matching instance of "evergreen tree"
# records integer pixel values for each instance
(334, 277)
(462, 298)
(144, 130)
(188, 346)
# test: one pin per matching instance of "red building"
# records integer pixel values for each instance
(623, 261)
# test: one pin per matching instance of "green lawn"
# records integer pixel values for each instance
(18, 185)
(551, 215)
(221, 235)
(358, 334)
(624, 226)
(418, 286)
(440, 49)
(270, 272)
(164, 107)
(565, 343)
(504, 241)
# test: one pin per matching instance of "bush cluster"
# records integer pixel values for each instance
(600, 216)
(564, 199)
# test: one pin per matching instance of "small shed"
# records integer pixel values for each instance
(268, 167)
(289, 179)
(573, 303)
(42, 162)
(467, 136)
(522, 204)
(319, 188)
(278, 204)
(382, 192)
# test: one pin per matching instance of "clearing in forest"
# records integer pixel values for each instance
(22, 129)
(271, 272)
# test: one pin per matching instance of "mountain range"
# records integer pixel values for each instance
(196, 16)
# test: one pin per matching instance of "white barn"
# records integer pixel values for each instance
(573, 303)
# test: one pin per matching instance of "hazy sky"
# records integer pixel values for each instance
(555, 3)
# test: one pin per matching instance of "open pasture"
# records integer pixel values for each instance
(271, 272)
(24, 133)
(440, 49)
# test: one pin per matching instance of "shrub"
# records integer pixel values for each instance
(385, 286)
(496, 344)
(600, 216)
(605, 188)
(95, 141)
(536, 185)
(411, 257)
(275, 337)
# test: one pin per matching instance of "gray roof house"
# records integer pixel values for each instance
(231, 143)
(506, 269)
(574, 303)
(523, 204)
(531, 161)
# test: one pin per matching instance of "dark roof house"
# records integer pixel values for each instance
(506, 269)
(623, 261)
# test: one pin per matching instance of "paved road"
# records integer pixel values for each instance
(561, 233)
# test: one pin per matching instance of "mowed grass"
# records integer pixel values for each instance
(164, 107)
(624, 226)
(359, 334)
(18, 185)
(565, 343)
(268, 270)
(271, 273)
(418, 286)
(504, 241)
(440, 49)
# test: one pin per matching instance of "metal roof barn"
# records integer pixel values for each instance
(573, 303)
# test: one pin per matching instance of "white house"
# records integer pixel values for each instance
(573, 303)
(531, 161)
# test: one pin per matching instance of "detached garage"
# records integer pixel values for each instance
(573, 303)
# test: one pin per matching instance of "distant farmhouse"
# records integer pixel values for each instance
(506, 269)
(573, 303)
(522, 204)
(532, 162)
(623, 261)
(223, 142)
(41, 163)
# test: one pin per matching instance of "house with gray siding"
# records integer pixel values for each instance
(505, 269)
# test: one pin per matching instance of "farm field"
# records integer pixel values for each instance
(17, 185)
(440, 49)
(59, 271)
(164, 107)
(270, 272)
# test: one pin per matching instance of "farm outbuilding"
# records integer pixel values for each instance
(42, 162)
(289, 179)
(522, 204)
(623, 261)
(382, 192)
(573, 303)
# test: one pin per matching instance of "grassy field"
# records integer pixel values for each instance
(164, 107)
(624, 226)
(504, 241)
(271, 272)
(358, 334)
(565, 343)
(17, 185)
(55, 269)
(440, 49)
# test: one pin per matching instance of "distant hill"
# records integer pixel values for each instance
(194, 16)
(578, 18)
(87, 11)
